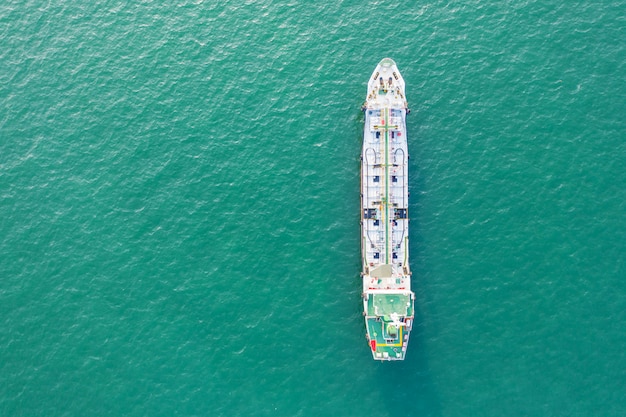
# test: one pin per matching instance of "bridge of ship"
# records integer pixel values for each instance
(384, 311)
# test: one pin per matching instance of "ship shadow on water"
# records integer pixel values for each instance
(408, 389)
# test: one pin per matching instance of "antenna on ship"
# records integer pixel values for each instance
(395, 320)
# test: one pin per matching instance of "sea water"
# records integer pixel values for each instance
(179, 208)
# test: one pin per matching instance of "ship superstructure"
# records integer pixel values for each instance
(388, 301)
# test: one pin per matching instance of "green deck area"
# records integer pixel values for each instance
(387, 304)
(388, 340)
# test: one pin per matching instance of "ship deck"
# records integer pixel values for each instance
(387, 296)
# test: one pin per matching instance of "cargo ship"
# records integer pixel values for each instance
(388, 302)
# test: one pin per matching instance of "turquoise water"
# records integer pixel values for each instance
(179, 227)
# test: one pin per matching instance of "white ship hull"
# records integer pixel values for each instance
(387, 296)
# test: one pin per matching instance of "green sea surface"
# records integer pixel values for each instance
(179, 208)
